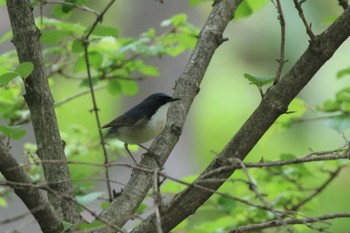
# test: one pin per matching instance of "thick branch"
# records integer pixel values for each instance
(274, 103)
(187, 87)
(26, 38)
(35, 200)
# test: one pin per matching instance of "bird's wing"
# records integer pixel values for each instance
(125, 121)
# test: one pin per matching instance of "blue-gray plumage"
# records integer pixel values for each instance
(141, 123)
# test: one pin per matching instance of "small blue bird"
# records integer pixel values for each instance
(141, 123)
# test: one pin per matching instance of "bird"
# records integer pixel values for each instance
(141, 123)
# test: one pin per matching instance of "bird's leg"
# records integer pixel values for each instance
(127, 149)
(145, 148)
(149, 153)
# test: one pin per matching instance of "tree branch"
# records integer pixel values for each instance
(274, 103)
(26, 38)
(281, 60)
(86, 44)
(35, 201)
(276, 223)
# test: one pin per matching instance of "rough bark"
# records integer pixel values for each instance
(26, 38)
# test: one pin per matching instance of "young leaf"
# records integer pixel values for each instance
(248, 7)
(7, 77)
(258, 81)
(197, 2)
(114, 87)
(6, 36)
(3, 202)
(25, 69)
(101, 30)
(329, 106)
(339, 123)
(15, 132)
(66, 225)
(77, 46)
(343, 72)
(52, 37)
(90, 197)
(226, 204)
(129, 87)
(86, 226)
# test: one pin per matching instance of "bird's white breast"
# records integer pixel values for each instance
(147, 131)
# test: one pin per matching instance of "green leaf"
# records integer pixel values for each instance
(25, 69)
(197, 2)
(114, 87)
(148, 69)
(343, 95)
(95, 59)
(15, 132)
(258, 80)
(174, 21)
(66, 225)
(339, 123)
(85, 82)
(53, 37)
(104, 205)
(243, 10)
(179, 19)
(6, 37)
(345, 107)
(3, 202)
(101, 30)
(343, 72)
(248, 7)
(142, 207)
(77, 46)
(329, 106)
(7, 77)
(296, 110)
(88, 198)
(226, 204)
(62, 11)
(129, 87)
(86, 226)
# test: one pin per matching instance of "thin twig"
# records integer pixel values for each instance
(95, 110)
(318, 190)
(45, 187)
(98, 20)
(276, 223)
(94, 102)
(253, 187)
(21, 216)
(307, 25)
(59, 103)
(281, 60)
